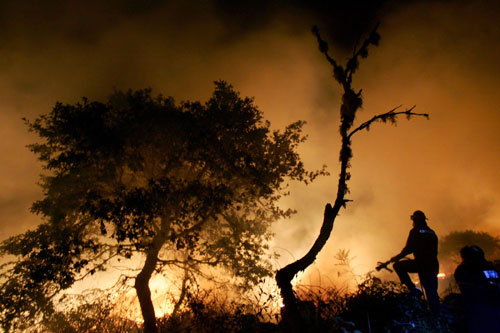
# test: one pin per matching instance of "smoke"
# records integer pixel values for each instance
(441, 56)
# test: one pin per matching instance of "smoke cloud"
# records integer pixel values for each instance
(440, 56)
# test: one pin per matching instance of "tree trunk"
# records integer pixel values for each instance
(290, 314)
(142, 286)
(285, 275)
(351, 101)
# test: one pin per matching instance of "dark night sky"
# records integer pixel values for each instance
(440, 55)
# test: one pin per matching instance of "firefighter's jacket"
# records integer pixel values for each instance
(422, 242)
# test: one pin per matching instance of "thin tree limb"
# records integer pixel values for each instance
(391, 114)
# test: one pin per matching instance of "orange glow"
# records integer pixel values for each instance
(446, 166)
(163, 293)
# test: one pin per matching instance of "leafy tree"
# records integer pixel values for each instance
(351, 103)
(450, 245)
(184, 185)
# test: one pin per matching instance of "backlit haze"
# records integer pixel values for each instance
(442, 57)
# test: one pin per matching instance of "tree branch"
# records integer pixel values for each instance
(388, 116)
(323, 47)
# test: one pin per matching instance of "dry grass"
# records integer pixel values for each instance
(376, 306)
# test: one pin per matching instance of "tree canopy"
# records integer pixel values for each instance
(185, 185)
(451, 244)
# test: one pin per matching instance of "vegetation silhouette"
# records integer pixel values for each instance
(451, 244)
(376, 306)
(181, 185)
(351, 103)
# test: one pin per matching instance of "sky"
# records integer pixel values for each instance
(441, 56)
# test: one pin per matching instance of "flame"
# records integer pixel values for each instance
(441, 276)
(162, 289)
(161, 292)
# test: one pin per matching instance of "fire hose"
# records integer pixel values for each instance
(383, 265)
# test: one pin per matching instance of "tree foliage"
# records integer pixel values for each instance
(184, 185)
(451, 244)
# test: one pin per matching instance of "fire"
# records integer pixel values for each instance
(441, 276)
(162, 288)
(162, 292)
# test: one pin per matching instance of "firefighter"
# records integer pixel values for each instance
(422, 242)
(479, 285)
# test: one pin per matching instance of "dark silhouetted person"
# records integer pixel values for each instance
(423, 243)
(479, 285)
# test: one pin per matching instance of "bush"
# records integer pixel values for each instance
(208, 311)
(376, 306)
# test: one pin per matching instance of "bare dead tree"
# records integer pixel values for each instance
(351, 102)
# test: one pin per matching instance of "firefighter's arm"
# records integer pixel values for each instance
(409, 246)
(398, 257)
